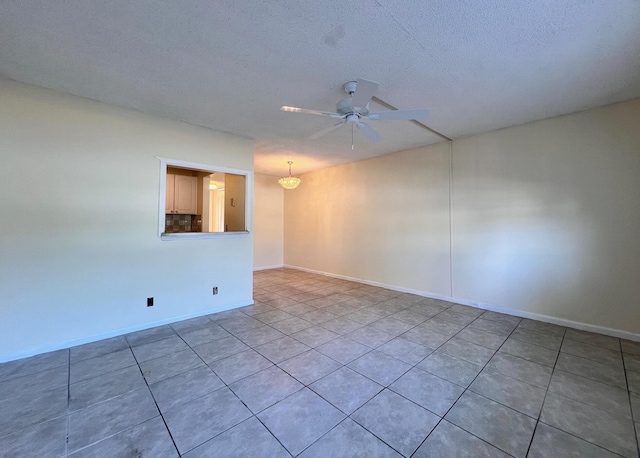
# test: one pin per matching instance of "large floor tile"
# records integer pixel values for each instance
(457, 318)
(190, 324)
(440, 326)
(150, 335)
(343, 349)
(380, 368)
(447, 440)
(265, 388)
(540, 326)
(196, 422)
(89, 368)
(247, 439)
(429, 391)
(281, 349)
(398, 422)
(370, 336)
(259, 336)
(631, 347)
(467, 351)
(315, 336)
(501, 317)
(239, 366)
(169, 365)
(272, 316)
(593, 425)
(102, 420)
(341, 325)
(612, 343)
(391, 326)
(364, 316)
(510, 392)
(611, 375)
(530, 352)
(480, 337)
(33, 364)
(632, 362)
(633, 380)
(600, 395)
(239, 324)
(44, 439)
(521, 369)
(103, 387)
(148, 439)
(185, 387)
(495, 327)
(159, 348)
(551, 442)
(309, 366)
(203, 335)
(595, 353)
(346, 389)
(34, 384)
(300, 420)
(349, 440)
(220, 349)
(430, 339)
(405, 350)
(411, 316)
(501, 426)
(449, 368)
(541, 339)
(21, 411)
(291, 325)
(99, 348)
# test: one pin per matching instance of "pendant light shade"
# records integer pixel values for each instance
(289, 182)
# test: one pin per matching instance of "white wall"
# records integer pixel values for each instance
(268, 222)
(80, 252)
(545, 219)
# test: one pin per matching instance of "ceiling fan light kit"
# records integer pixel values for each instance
(289, 182)
(354, 110)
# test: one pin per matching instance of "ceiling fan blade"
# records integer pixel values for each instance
(311, 112)
(364, 91)
(325, 131)
(397, 114)
(368, 132)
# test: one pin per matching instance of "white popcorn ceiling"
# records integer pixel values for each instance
(477, 65)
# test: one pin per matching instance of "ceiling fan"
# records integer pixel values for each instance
(354, 110)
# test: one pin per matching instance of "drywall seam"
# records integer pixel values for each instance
(484, 306)
(72, 343)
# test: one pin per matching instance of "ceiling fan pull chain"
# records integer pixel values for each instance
(351, 136)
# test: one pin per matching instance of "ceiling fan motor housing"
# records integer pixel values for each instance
(343, 107)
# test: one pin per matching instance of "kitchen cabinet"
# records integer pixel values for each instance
(182, 195)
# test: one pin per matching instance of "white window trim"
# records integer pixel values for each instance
(248, 174)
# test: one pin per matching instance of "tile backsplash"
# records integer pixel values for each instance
(182, 223)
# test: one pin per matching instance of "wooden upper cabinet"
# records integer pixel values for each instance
(182, 195)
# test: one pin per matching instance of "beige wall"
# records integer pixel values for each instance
(268, 222)
(80, 251)
(384, 220)
(545, 219)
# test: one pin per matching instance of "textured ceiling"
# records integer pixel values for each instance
(477, 65)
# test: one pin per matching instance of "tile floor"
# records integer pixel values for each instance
(321, 367)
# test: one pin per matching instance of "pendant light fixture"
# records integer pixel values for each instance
(289, 182)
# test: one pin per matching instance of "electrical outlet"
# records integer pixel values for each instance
(149, 301)
(215, 290)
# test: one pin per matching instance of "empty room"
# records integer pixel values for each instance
(319, 229)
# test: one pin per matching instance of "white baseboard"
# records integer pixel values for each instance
(494, 308)
(279, 266)
(106, 335)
